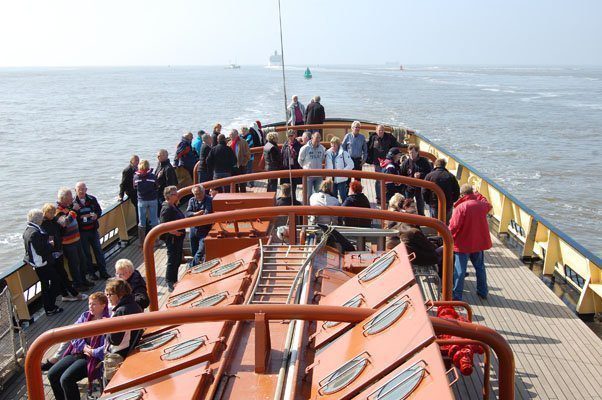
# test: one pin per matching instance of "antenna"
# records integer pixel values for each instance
(290, 160)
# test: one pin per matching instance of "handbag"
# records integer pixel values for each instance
(111, 363)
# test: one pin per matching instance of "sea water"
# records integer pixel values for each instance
(534, 130)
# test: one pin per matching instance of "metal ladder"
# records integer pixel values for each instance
(280, 265)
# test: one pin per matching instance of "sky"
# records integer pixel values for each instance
(217, 32)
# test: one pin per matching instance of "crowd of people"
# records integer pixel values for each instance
(68, 229)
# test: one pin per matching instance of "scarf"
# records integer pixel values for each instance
(92, 369)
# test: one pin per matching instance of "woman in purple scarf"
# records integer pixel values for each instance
(82, 356)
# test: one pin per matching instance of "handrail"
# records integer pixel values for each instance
(304, 173)
(267, 212)
(570, 241)
(35, 386)
(490, 337)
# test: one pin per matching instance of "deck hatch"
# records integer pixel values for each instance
(353, 302)
(132, 395)
(210, 300)
(344, 375)
(202, 267)
(402, 385)
(183, 349)
(224, 269)
(377, 267)
(386, 317)
(156, 341)
(183, 298)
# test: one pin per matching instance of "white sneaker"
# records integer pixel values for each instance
(69, 298)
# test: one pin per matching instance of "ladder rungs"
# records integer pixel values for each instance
(266, 302)
(274, 286)
(278, 278)
(278, 294)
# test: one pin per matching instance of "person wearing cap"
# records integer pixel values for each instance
(390, 165)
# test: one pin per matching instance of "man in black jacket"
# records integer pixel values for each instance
(204, 173)
(38, 254)
(127, 183)
(165, 173)
(88, 211)
(174, 240)
(315, 112)
(379, 145)
(415, 167)
(222, 161)
(447, 182)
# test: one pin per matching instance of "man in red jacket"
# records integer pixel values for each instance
(470, 230)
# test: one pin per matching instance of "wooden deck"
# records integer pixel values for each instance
(557, 356)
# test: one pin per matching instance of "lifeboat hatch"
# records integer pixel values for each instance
(344, 375)
(210, 300)
(403, 322)
(224, 269)
(183, 349)
(386, 317)
(202, 267)
(421, 377)
(156, 341)
(183, 298)
(377, 267)
(392, 275)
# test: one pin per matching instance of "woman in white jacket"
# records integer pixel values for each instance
(324, 198)
(337, 158)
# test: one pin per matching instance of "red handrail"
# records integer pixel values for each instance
(304, 173)
(267, 212)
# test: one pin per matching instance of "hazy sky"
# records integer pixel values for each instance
(199, 32)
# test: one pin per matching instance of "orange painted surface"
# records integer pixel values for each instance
(433, 385)
(410, 333)
(373, 293)
(237, 201)
(140, 367)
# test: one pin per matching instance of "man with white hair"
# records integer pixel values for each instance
(38, 254)
(88, 211)
(124, 269)
(72, 247)
(296, 113)
(243, 154)
(355, 144)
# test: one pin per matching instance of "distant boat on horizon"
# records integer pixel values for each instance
(275, 60)
(307, 73)
(233, 66)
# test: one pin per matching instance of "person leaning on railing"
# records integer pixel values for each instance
(82, 357)
(38, 254)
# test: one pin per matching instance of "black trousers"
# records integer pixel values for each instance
(64, 375)
(175, 245)
(76, 259)
(65, 288)
(49, 280)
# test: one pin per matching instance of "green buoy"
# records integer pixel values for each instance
(307, 73)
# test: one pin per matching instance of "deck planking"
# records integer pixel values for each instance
(556, 355)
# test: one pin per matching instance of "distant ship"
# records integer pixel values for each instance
(275, 60)
(233, 66)
(307, 74)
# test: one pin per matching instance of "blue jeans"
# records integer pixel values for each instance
(91, 239)
(64, 375)
(341, 189)
(460, 263)
(197, 247)
(377, 168)
(204, 176)
(152, 206)
(249, 170)
(313, 185)
(219, 175)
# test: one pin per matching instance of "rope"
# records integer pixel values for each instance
(290, 161)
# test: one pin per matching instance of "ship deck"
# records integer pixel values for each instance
(557, 356)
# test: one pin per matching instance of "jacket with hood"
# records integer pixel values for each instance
(392, 168)
(138, 285)
(121, 342)
(323, 199)
(469, 225)
(186, 155)
(340, 161)
(145, 183)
